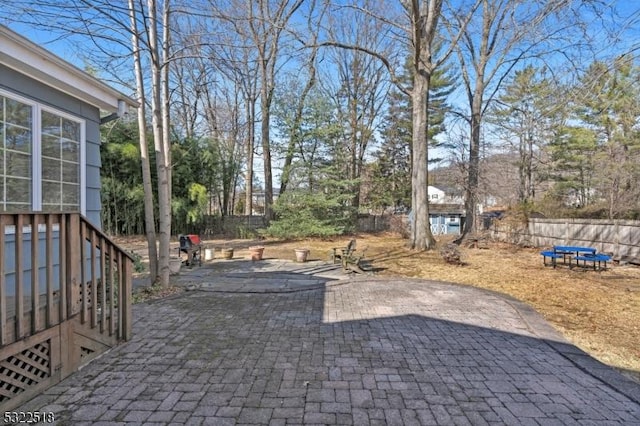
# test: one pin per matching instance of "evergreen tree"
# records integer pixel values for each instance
(122, 195)
(610, 107)
(528, 116)
(391, 170)
(573, 166)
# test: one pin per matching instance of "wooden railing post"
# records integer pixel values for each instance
(62, 252)
(3, 293)
(19, 278)
(125, 291)
(49, 260)
(35, 274)
(74, 245)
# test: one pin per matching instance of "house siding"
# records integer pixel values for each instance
(13, 81)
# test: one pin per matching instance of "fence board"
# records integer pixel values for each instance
(620, 237)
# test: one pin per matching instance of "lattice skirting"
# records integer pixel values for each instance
(25, 370)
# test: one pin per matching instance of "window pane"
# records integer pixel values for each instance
(50, 123)
(71, 130)
(18, 138)
(70, 173)
(50, 146)
(70, 194)
(18, 165)
(51, 169)
(60, 141)
(1, 164)
(70, 151)
(51, 193)
(23, 207)
(1, 187)
(18, 113)
(18, 190)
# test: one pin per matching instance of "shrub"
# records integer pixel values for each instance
(451, 254)
(302, 214)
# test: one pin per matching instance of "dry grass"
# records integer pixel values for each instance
(597, 311)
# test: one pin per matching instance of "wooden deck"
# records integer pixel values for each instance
(83, 306)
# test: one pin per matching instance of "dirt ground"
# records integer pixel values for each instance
(598, 311)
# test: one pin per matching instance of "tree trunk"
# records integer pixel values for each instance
(421, 236)
(251, 114)
(149, 216)
(164, 199)
(265, 108)
(471, 202)
(166, 94)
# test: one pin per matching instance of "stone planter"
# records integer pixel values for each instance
(226, 253)
(302, 254)
(256, 252)
(208, 254)
(174, 266)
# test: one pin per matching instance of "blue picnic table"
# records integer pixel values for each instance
(577, 253)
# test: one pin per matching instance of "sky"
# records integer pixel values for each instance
(623, 20)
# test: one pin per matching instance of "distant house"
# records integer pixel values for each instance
(446, 210)
(444, 195)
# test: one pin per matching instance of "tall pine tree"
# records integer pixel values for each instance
(391, 170)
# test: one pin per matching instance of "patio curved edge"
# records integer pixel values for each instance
(545, 331)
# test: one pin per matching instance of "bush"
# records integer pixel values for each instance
(399, 224)
(303, 214)
(451, 254)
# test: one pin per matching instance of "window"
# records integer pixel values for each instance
(40, 157)
(434, 196)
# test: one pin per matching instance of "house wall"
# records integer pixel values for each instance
(21, 85)
(14, 82)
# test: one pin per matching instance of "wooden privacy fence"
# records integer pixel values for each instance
(619, 237)
(65, 297)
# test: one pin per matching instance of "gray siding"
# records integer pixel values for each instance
(19, 84)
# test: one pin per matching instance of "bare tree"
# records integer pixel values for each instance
(358, 86)
(295, 132)
(267, 25)
(505, 33)
(158, 117)
(424, 16)
(418, 31)
(149, 216)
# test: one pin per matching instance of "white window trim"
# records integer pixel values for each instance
(36, 144)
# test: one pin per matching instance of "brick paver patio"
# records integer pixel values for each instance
(363, 351)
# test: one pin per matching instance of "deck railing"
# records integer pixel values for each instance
(98, 288)
(54, 268)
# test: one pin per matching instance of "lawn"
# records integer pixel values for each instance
(597, 311)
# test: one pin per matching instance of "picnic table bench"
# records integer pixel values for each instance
(593, 258)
